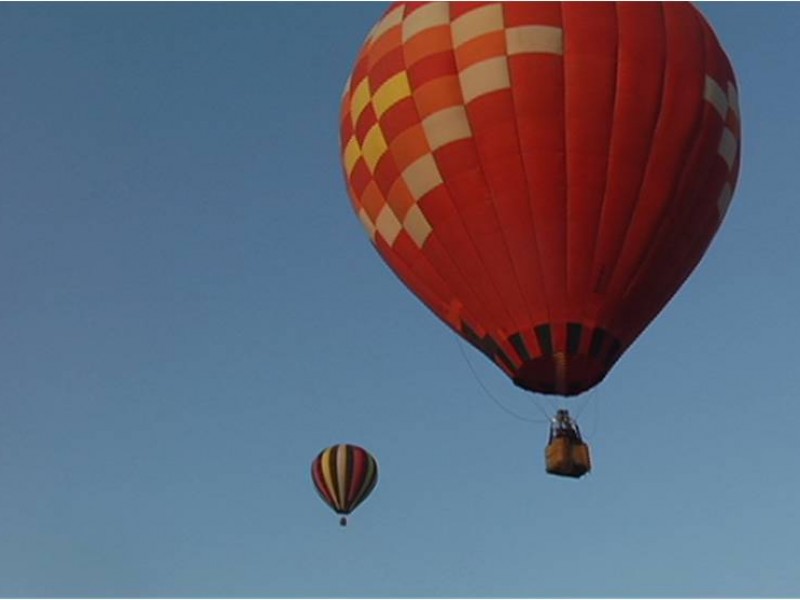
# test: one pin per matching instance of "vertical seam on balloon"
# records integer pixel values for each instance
(501, 308)
(612, 129)
(319, 481)
(694, 137)
(659, 117)
(356, 456)
(334, 473)
(371, 482)
(421, 256)
(515, 269)
(354, 501)
(664, 224)
(565, 198)
(445, 302)
(359, 489)
(529, 196)
(329, 473)
(349, 476)
(342, 475)
(689, 248)
(368, 483)
(482, 301)
(509, 256)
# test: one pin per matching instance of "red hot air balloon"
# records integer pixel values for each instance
(344, 476)
(543, 176)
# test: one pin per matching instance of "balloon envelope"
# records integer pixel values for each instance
(344, 475)
(544, 176)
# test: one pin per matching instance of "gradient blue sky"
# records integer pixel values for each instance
(190, 311)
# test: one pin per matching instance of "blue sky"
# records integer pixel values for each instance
(190, 312)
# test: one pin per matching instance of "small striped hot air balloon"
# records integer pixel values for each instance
(344, 476)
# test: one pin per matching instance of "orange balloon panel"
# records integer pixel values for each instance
(544, 176)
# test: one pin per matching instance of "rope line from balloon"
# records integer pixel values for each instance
(494, 398)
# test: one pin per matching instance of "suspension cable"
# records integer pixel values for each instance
(587, 399)
(492, 396)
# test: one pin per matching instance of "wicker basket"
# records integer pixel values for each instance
(567, 457)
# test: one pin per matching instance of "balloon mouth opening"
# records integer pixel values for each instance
(561, 374)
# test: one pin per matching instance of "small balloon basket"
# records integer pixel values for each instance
(567, 455)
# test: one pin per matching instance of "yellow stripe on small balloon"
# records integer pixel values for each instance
(342, 474)
(327, 475)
